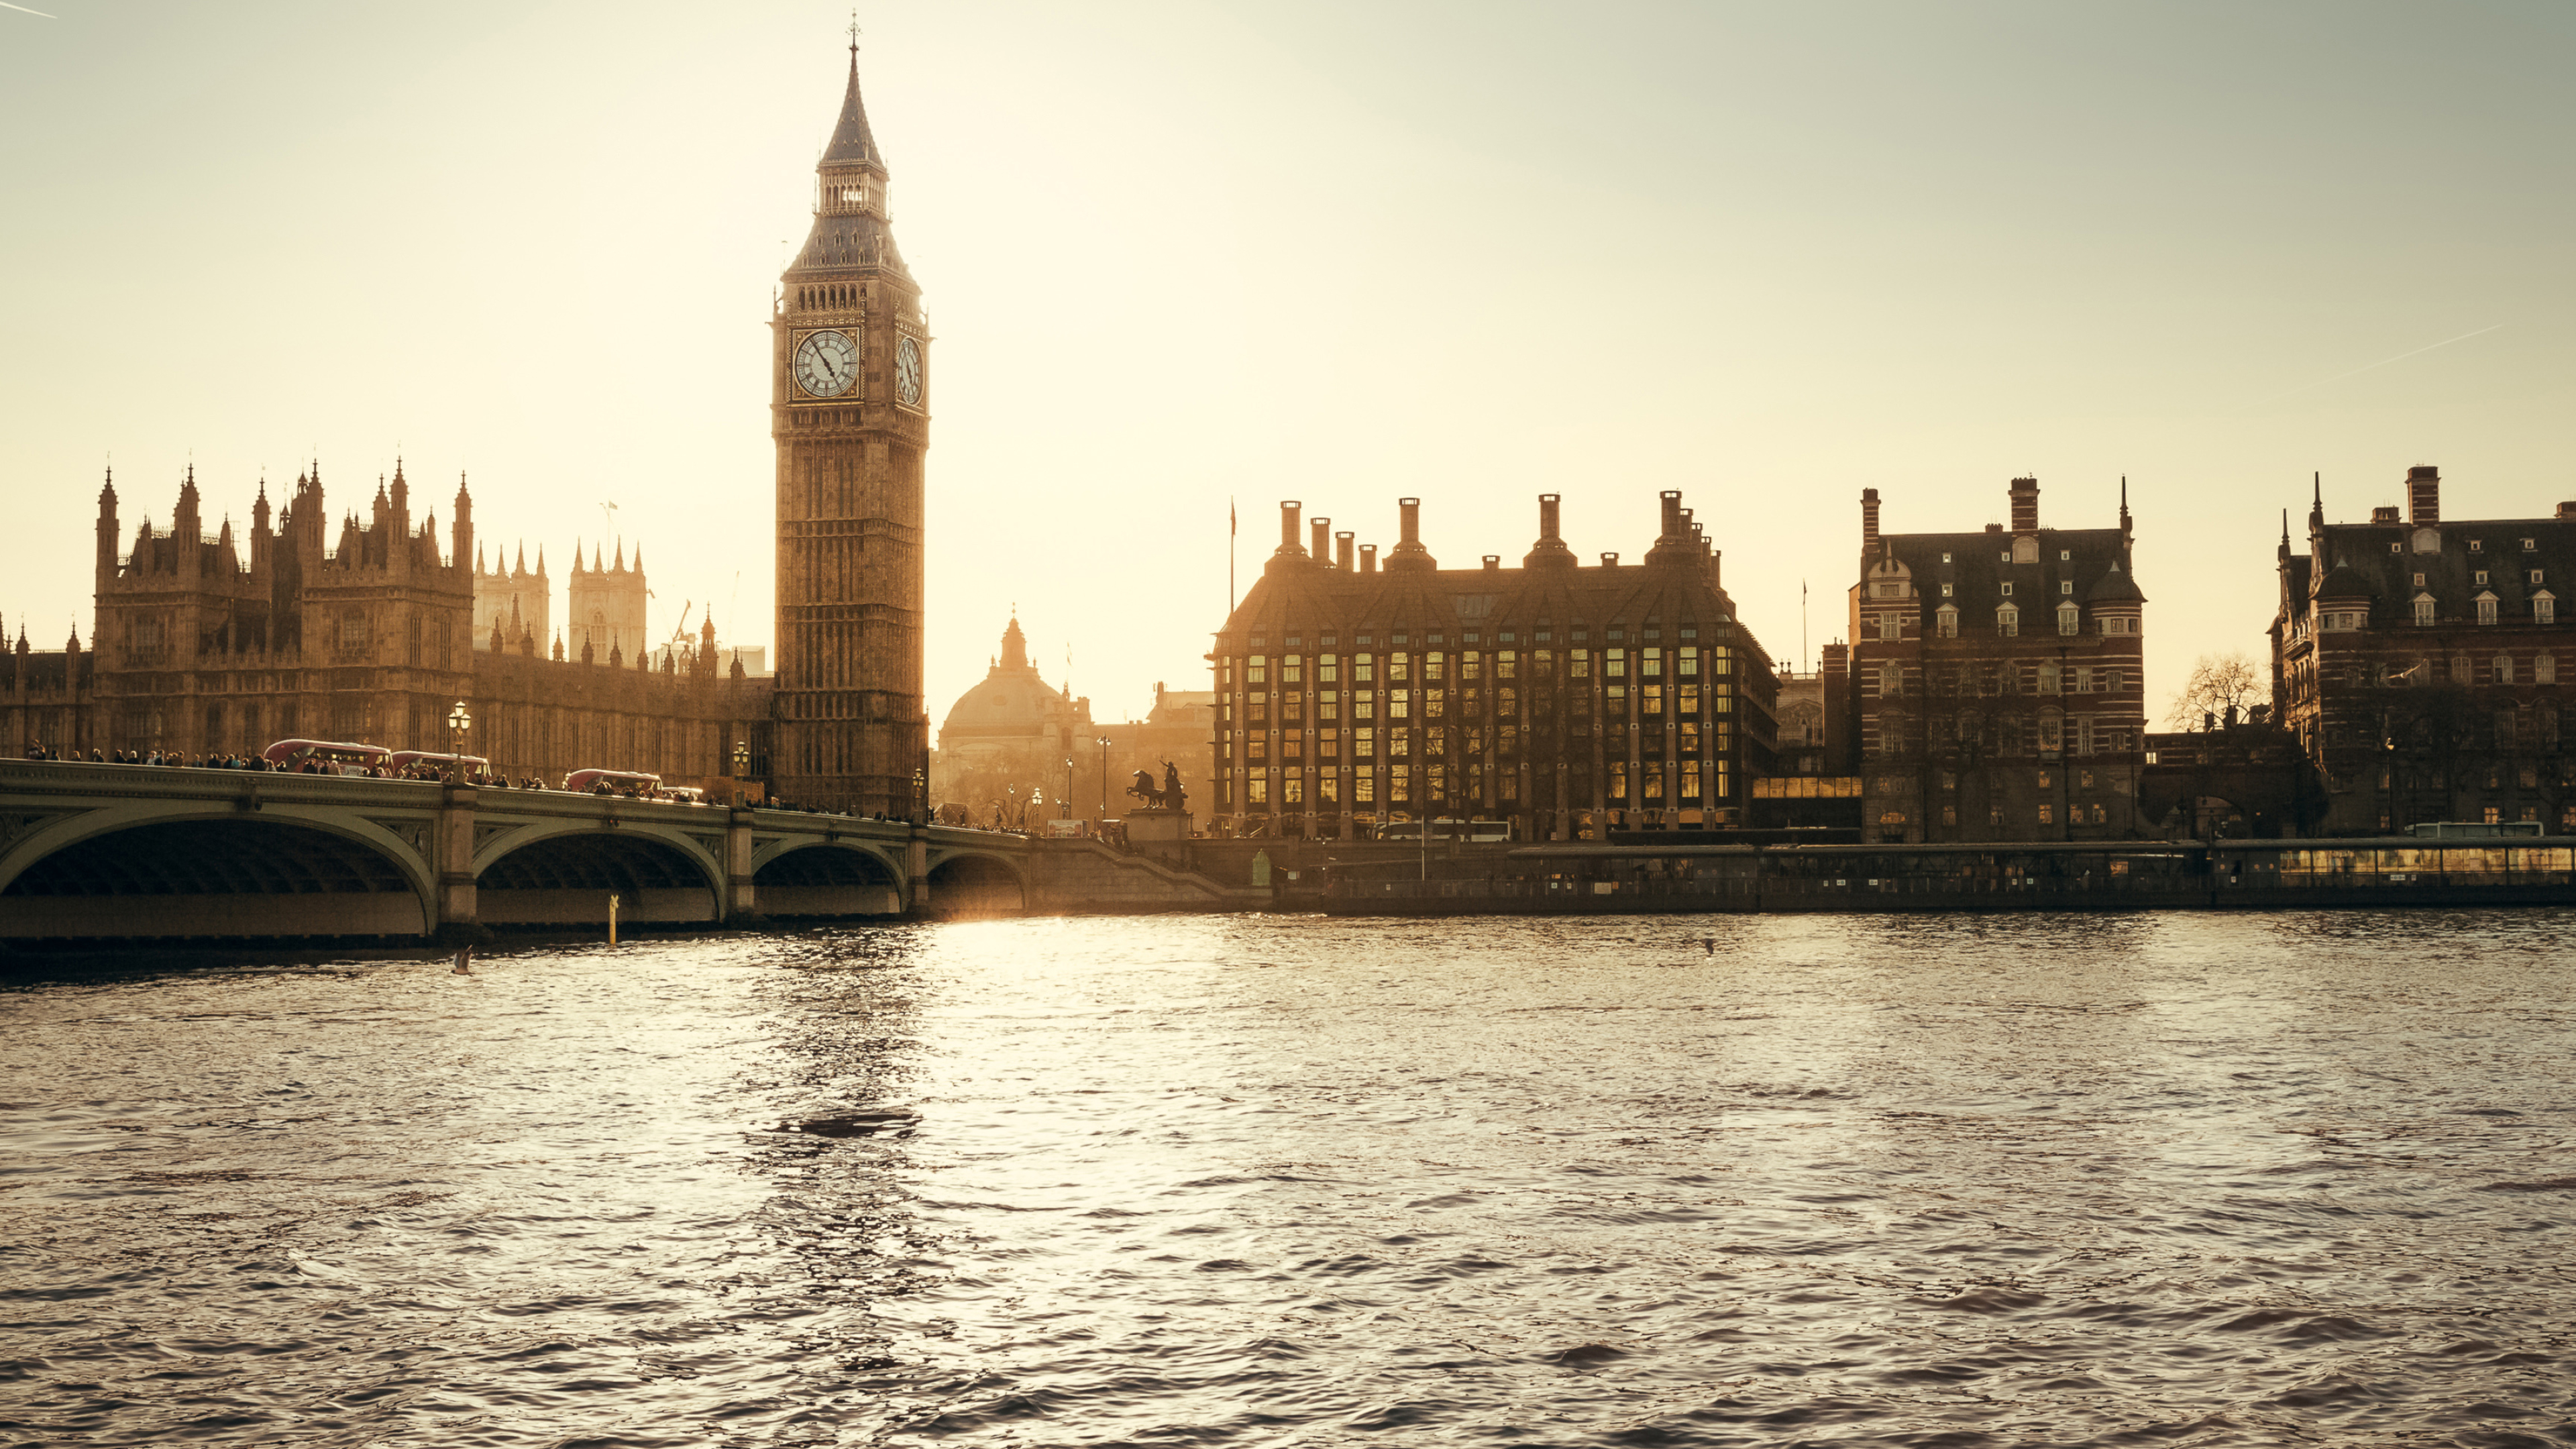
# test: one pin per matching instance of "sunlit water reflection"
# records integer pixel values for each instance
(2150, 1179)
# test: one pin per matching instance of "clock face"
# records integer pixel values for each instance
(827, 363)
(907, 371)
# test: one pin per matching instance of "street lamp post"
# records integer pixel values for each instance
(920, 797)
(458, 722)
(741, 767)
(1066, 799)
(1103, 743)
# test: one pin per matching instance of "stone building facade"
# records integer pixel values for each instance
(1566, 699)
(208, 644)
(513, 606)
(850, 417)
(1997, 686)
(2419, 663)
(604, 606)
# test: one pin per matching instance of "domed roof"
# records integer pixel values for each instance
(1011, 703)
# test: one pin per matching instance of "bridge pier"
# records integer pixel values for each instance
(456, 919)
(741, 896)
(916, 873)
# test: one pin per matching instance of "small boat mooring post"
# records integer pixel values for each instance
(612, 918)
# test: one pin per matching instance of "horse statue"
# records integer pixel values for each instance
(1169, 797)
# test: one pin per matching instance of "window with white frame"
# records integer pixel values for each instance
(2424, 609)
(2544, 607)
(2504, 669)
(1947, 620)
(2486, 608)
(2008, 621)
(2069, 619)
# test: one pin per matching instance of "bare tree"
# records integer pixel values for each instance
(2219, 683)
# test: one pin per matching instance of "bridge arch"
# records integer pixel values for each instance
(137, 873)
(976, 883)
(533, 876)
(828, 878)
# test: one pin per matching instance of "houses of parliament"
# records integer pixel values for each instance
(373, 630)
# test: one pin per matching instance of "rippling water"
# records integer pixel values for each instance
(1255, 1181)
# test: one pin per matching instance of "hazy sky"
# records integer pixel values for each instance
(1175, 254)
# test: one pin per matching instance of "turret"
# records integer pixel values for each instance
(463, 527)
(106, 532)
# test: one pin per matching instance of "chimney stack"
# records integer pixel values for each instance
(1323, 545)
(1288, 526)
(2025, 505)
(1550, 548)
(1493, 563)
(1609, 560)
(1672, 499)
(1368, 558)
(2424, 495)
(1409, 555)
(1869, 520)
(1342, 552)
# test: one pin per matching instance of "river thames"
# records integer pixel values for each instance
(2148, 1179)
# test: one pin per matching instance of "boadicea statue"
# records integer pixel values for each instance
(1170, 797)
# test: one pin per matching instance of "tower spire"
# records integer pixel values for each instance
(852, 143)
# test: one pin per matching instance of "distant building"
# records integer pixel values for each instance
(754, 658)
(605, 606)
(1812, 787)
(513, 605)
(2418, 662)
(1997, 686)
(1567, 700)
(1008, 738)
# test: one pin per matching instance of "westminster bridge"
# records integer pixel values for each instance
(103, 851)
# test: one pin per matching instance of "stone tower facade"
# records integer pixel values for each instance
(512, 604)
(849, 385)
(606, 603)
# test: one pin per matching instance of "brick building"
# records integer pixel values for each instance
(2418, 660)
(1996, 688)
(1566, 699)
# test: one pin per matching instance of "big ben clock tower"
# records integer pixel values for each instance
(850, 393)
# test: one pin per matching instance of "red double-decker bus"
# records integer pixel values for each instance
(326, 757)
(613, 782)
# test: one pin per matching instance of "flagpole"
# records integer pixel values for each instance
(1229, 556)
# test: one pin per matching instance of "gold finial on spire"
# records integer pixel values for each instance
(854, 35)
